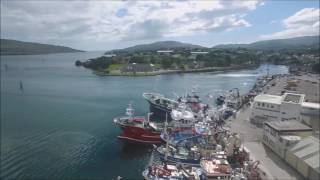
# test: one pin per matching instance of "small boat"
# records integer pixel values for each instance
(137, 128)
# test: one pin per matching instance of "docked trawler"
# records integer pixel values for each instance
(159, 104)
(137, 128)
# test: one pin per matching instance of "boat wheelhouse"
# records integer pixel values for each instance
(137, 128)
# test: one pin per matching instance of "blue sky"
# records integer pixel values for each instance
(103, 25)
(266, 19)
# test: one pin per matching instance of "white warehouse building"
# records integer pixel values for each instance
(286, 107)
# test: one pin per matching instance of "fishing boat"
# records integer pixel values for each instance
(225, 112)
(230, 98)
(182, 116)
(179, 155)
(166, 171)
(137, 128)
(177, 135)
(159, 104)
(162, 172)
(216, 168)
(220, 100)
(193, 101)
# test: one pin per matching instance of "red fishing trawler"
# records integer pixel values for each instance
(137, 128)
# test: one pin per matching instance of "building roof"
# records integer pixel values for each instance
(288, 126)
(291, 138)
(293, 98)
(199, 52)
(134, 67)
(267, 98)
(311, 105)
(164, 51)
(307, 150)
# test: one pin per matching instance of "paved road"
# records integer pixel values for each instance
(307, 84)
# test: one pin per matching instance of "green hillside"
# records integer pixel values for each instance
(160, 45)
(13, 47)
(278, 44)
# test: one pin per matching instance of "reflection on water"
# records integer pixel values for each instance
(61, 125)
(133, 150)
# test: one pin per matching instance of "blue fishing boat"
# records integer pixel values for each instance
(179, 155)
(177, 135)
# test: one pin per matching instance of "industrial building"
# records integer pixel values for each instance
(310, 114)
(304, 157)
(278, 135)
(293, 142)
(289, 106)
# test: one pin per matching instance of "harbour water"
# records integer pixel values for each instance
(59, 125)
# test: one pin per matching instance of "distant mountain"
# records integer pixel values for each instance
(276, 44)
(161, 45)
(13, 47)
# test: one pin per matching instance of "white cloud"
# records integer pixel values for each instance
(74, 22)
(303, 23)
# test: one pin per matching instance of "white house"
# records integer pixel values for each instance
(167, 52)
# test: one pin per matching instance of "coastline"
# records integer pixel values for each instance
(213, 70)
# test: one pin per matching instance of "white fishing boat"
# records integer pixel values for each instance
(182, 116)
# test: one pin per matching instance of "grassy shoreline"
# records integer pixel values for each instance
(154, 73)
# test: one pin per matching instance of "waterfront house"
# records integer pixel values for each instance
(193, 54)
(199, 52)
(135, 67)
(166, 52)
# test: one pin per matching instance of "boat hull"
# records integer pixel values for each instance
(140, 135)
(189, 162)
(160, 111)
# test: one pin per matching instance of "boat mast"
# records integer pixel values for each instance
(130, 111)
(166, 135)
(149, 114)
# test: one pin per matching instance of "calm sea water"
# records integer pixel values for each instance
(60, 126)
